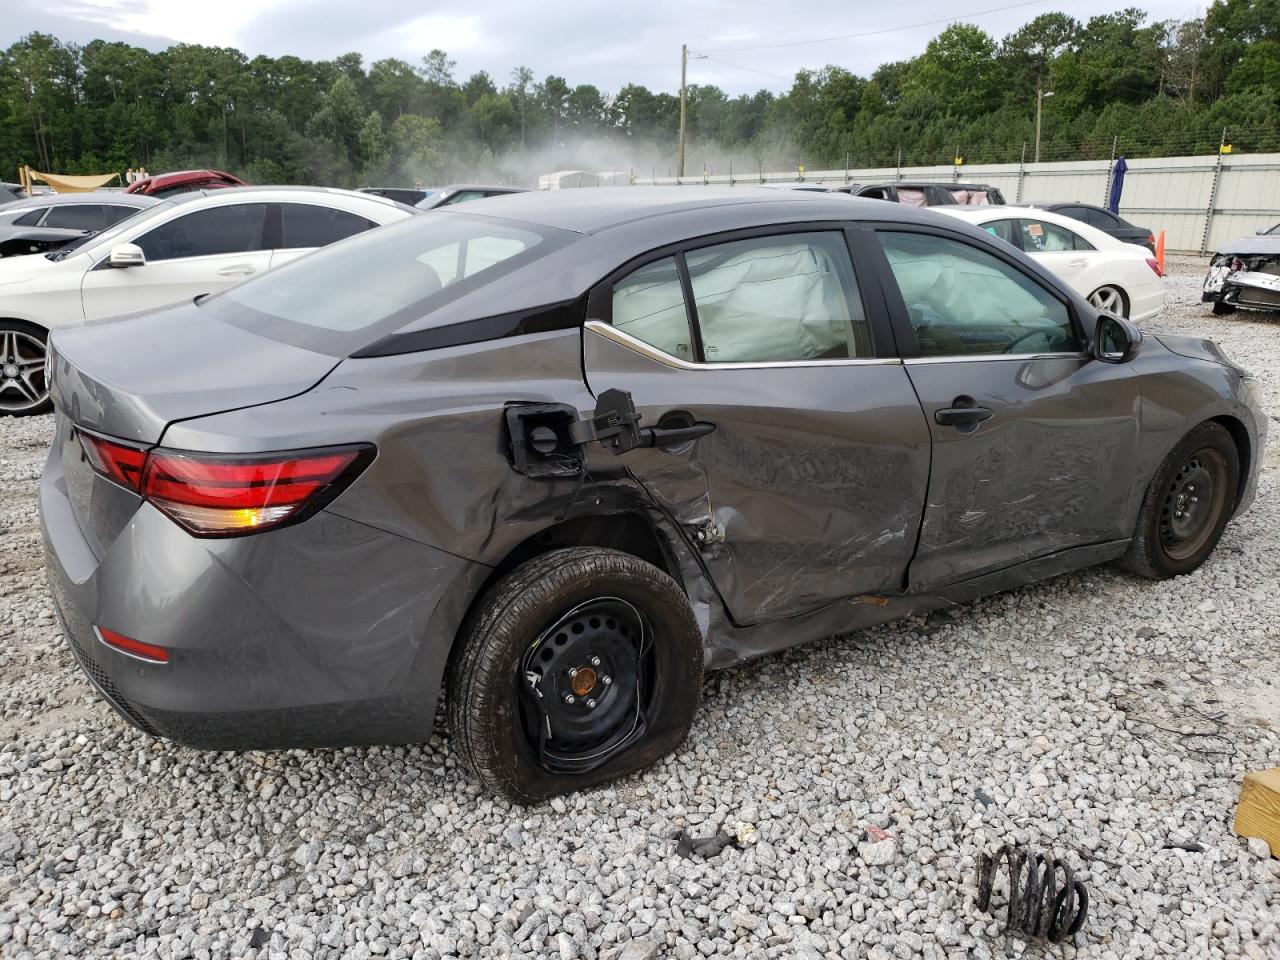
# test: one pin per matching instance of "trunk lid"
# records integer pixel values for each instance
(131, 377)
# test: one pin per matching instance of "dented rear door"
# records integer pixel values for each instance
(811, 486)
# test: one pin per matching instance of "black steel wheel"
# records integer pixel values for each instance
(1187, 505)
(579, 666)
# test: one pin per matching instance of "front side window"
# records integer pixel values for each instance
(649, 305)
(306, 225)
(114, 213)
(778, 298)
(1040, 236)
(235, 228)
(963, 301)
(77, 216)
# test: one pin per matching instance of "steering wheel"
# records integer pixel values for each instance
(1026, 336)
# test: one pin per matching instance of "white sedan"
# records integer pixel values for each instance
(187, 245)
(1115, 276)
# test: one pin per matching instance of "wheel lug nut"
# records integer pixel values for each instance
(568, 698)
(591, 704)
(573, 671)
(606, 679)
(595, 661)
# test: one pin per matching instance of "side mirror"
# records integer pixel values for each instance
(1115, 339)
(127, 255)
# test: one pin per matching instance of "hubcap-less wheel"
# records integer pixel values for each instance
(1109, 299)
(1192, 504)
(584, 684)
(22, 386)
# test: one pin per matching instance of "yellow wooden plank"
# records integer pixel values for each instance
(1258, 814)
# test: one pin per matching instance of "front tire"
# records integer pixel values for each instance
(1187, 505)
(578, 667)
(1221, 309)
(23, 391)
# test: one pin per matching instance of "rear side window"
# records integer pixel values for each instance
(306, 225)
(32, 218)
(462, 196)
(963, 301)
(649, 305)
(236, 228)
(77, 216)
(114, 213)
(1099, 218)
(1040, 236)
(778, 298)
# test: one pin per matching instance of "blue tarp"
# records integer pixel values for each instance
(1117, 184)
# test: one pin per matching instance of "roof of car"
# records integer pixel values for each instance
(592, 209)
(492, 187)
(223, 193)
(118, 197)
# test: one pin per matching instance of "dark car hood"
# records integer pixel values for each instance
(42, 234)
(1197, 348)
(1252, 245)
(131, 377)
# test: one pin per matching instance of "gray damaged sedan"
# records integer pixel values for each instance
(561, 453)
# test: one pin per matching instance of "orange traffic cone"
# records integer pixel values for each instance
(1160, 253)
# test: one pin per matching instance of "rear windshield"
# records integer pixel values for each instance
(352, 293)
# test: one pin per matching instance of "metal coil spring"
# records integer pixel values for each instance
(1036, 904)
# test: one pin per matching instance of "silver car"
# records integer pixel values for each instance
(562, 453)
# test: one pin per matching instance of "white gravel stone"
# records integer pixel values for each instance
(1075, 715)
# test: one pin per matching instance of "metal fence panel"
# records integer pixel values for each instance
(1199, 202)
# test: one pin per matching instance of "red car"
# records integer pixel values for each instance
(184, 180)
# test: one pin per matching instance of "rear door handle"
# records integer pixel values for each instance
(237, 270)
(963, 414)
(1080, 263)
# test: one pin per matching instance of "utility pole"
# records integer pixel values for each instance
(685, 57)
(1040, 97)
(684, 70)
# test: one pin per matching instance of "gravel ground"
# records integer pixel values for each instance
(1095, 714)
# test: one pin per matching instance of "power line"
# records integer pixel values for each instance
(876, 33)
(738, 66)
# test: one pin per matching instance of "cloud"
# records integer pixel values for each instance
(584, 41)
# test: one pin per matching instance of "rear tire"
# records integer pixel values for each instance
(23, 391)
(548, 647)
(1187, 505)
(1111, 299)
(1221, 309)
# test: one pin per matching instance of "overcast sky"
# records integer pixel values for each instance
(584, 41)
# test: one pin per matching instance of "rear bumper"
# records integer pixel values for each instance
(328, 633)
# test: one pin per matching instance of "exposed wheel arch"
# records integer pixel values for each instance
(625, 532)
(1244, 447)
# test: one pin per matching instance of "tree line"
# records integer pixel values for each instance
(1117, 81)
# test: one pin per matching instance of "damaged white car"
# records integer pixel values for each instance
(1245, 273)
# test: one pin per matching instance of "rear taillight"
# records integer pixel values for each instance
(1154, 264)
(226, 495)
(115, 461)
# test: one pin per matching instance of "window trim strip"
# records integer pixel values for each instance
(610, 332)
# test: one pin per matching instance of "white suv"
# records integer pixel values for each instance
(187, 245)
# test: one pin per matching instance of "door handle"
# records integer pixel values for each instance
(1079, 263)
(238, 270)
(964, 414)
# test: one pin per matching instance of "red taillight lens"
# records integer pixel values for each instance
(115, 461)
(1154, 265)
(214, 495)
(135, 648)
(224, 495)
